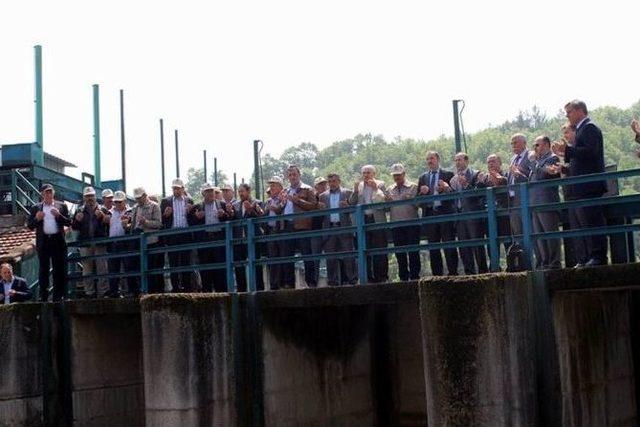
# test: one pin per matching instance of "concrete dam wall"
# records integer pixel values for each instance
(553, 348)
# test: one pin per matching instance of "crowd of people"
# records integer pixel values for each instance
(579, 152)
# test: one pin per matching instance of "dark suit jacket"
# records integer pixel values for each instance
(62, 220)
(587, 157)
(345, 195)
(23, 293)
(193, 220)
(100, 229)
(502, 198)
(237, 208)
(538, 173)
(447, 206)
(469, 204)
(167, 221)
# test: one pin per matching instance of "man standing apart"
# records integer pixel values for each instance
(14, 288)
(175, 209)
(368, 192)
(339, 270)
(49, 218)
(586, 157)
(408, 262)
(433, 182)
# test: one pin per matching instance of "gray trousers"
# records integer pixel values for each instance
(340, 268)
(547, 250)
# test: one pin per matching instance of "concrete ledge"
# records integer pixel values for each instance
(613, 277)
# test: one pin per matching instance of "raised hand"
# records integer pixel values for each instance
(168, 211)
(424, 190)
(79, 216)
(39, 215)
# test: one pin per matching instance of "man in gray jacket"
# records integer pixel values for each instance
(339, 271)
(545, 167)
(519, 171)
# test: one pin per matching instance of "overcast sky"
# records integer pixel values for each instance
(226, 73)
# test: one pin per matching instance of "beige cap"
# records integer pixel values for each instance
(226, 187)
(206, 187)
(275, 180)
(319, 180)
(107, 192)
(119, 196)
(397, 169)
(177, 183)
(89, 191)
(138, 192)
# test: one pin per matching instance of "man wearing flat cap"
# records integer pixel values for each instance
(88, 221)
(119, 216)
(175, 210)
(49, 218)
(274, 208)
(210, 212)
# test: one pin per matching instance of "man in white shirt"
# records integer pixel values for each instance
(119, 215)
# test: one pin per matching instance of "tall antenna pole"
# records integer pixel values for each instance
(177, 154)
(256, 162)
(215, 171)
(164, 194)
(122, 143)
(456, 125)
(235, 185)
(204, 157)
(39, 158)
(96, 135)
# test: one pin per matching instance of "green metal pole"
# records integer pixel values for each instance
(215, 171)
(235, 185)
(204, 157)
(164, 194)
(256, 163)
(122, 143)
(39, 156)
(177, 154)
(456, 125)
(96, 135)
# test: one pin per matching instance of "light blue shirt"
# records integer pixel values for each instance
(288, 208)
(334, 202)
(211, 213)
(7, 288)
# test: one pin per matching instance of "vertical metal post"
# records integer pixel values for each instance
(361, 239)
(144, 277)
(177, 154)
(251, 257)
(228, 246)
(204, 158)
(256, 163)
(96, 135)
(122, 143)
(39, 157)
(215, 171)
(14, 192)
(527, 229)
(456, 125)
(235, 185)
(164, 194)
(494, 245)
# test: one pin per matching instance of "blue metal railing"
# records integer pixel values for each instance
(244, 229)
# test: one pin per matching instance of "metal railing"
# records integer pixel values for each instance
(242, 231)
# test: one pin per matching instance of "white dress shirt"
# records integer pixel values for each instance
(50, 225)
(115, 223)
(211, 213)
(7, 288)
(179, 212)
(334, 202)
(288, 208)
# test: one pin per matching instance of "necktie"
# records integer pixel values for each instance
(432, 182)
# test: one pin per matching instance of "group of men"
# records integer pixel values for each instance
(581, 147)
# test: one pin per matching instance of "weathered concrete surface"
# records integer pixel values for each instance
(20, 373)
(188, 360)
(596, 326)
(342, 356)
(107, 381)
(479, 348)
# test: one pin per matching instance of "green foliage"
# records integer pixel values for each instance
(347, 156)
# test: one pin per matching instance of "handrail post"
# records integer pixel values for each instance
(144, 279)
(492, 224)
(14, 192)
(228, 246)
(362, 241)
(251, 257)
(525, 216)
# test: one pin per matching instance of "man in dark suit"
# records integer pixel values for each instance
(436, 181)
(210, 212)
(339, 271)
(519, 171)
(544, 167)
(175, 210)
(246, 207)
(49, 218)
(586, 157)
(14, 288)
(466, 179)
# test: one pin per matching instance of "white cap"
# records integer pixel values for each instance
(138, 192)
(177, 183)
(275, 180)
(107, 192)
(397, 169)
(119, 196)
(88, 191)
(206, 187)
